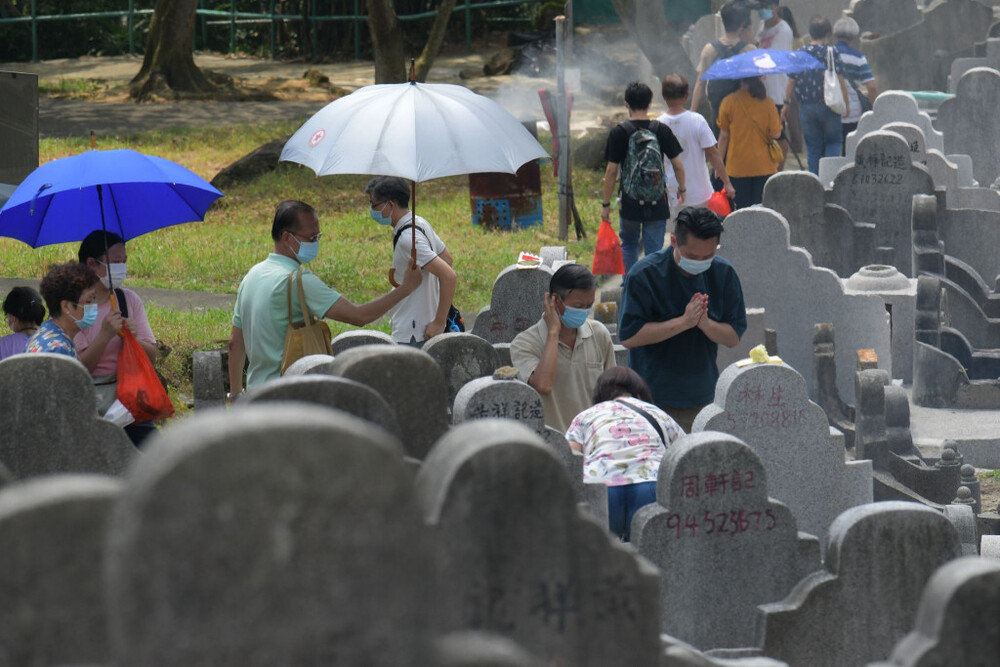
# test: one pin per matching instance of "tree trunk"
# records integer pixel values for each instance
(168, 65)
(387, 42)
(435, 39)
(655, 36)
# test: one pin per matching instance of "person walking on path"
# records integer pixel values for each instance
(748, 121)
(775, 33)
(820, 126)
(735, 17)
(635, 151)
(698, 144)
(857, 73)
(260, 317)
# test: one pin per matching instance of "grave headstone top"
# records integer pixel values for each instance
(349, 339)
(50, 423)
(766, 406)
(311, 364)
(885, 17)
(462, 357)
(281, 516)
(970, 124)
(722, 546)
(516, 303)
(895, 106)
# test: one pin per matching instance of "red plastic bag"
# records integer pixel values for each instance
(139, 388)
(607, 252)
(719, 203)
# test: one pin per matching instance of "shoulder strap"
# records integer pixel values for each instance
(399, 233)
(630, 127)
(122, 303)
(306, 315)
(648, 417)
(753, 122)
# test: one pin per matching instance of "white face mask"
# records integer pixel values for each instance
(115, 275)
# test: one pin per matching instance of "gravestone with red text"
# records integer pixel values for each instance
(766, 406)
(721, 544)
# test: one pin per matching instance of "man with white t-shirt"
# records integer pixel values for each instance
(775, 33)
(699, 144)
(424, 313)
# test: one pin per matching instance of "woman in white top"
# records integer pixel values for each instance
(623, 437)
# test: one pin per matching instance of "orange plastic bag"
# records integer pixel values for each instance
(139, 388)
(719, 203)
(607, 252)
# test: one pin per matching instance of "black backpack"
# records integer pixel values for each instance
(717, 89)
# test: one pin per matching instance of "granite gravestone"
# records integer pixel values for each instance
(756, 241)
(962, 65)
(920, 57)
(766, 406)
(884, 17)
(349, 339)
(879, 559)
(208, 379)
(491, 398)
(52, 531)
(521, 561)
(19, 132)
(900, 296)
(49, 422)
(6, 477)
(269, 535)
(410, 382)
(462, 357)
(311, 364)
(722, 546)
(970, 123)
(515, 304)
(892, 106)
(956, 621)
(473, 648)
(879, 188)
(334, 392)
(960, 246)
(827, 231)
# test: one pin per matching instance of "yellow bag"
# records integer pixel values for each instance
(774, 150)
(311, 336)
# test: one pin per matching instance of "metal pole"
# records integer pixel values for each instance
(562, 130)
(314, 26)
(34, 31)
(131, 27)
(357, 31)
(568, 13)
(274, 30)
(232, 27)
(468, 27)
(204, 27)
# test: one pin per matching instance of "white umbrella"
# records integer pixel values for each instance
(416, 131)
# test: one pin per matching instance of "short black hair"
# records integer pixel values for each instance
(618, 381)
(389, 188)
(638, 96)
(25, 304)
(96, 244)
(570, 277)
(735, 16)
(674, 87)
(287, 215)
(819, 27)
(65, 282)
(702, 223)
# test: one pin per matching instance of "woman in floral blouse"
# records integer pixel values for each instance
(68, 290)
(622, 437)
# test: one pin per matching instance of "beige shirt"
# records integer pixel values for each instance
(576, 372)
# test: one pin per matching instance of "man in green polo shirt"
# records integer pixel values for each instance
(260, 318)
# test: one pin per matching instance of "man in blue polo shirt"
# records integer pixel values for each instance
(678, 305)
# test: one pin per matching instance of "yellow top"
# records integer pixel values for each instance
(748, 154)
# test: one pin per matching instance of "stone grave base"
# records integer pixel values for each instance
(976, 433)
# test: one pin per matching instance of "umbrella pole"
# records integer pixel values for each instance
(413, 223)
(104, 230)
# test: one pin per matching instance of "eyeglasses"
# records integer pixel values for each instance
(312, 239)
(379, 204)
(89, 302)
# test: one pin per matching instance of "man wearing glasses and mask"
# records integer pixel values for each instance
(260, 318)
(424, 314)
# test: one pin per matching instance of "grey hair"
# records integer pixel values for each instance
(389, 188)
(846, 29)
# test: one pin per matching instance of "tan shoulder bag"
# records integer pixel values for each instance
(311, 336)
(773, 149)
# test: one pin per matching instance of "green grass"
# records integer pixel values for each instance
(75, 88)
(354, 256)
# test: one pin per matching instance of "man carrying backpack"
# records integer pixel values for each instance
(635, 151)
(736, 22)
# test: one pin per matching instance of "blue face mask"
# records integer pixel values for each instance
(89, 316)
(695, 266)
(308, 250)
(574, 317)
(378, 217)
(765, 14)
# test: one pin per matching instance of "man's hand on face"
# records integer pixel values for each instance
(551, 314)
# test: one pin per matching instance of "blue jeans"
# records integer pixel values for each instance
(652, 238)
(821, 131)
(623, 501)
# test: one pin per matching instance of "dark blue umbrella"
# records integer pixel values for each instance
(761, 62)
(121, 191)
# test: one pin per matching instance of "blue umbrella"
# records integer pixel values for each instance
(121, 191)
(760, 62)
